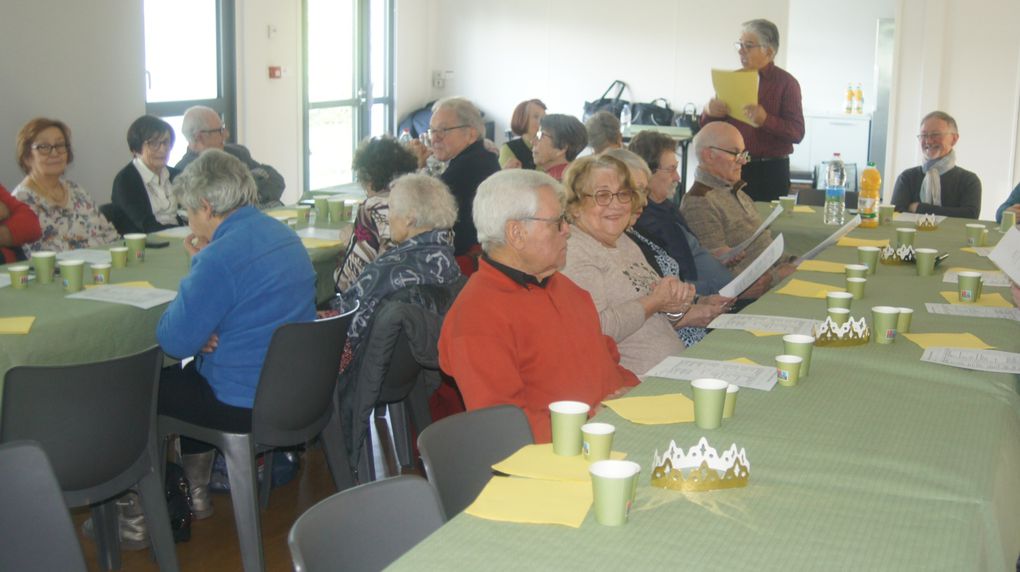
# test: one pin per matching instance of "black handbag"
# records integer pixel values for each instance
(613, 105)
(177, 493)
(688, 117)
(652, 114)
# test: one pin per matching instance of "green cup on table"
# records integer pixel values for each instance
(303, 215)
(709, 399)
(118, 256)
(868, 255)
(800, 345)
(350, 209)
(855, 270)
(903, 320)
(597, 441)
(886, 213)
(613, 486)
(885, 318)
(905, 236)
(924, 259)
(19, 276)
(1008, 221)
(135, 243)
(335, 205)
(974, 232)
(71, 273)
(788, 369)
(836, 299)
(788, 203)
(855, 286)
(44, 262)
(969, 286)
(567, 418)
(100, 273)
(730, 405)
(839, 315)
(321, 211)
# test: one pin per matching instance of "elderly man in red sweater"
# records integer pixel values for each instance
(18, 225)
(520, 332)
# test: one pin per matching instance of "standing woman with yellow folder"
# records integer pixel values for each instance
(770, 128)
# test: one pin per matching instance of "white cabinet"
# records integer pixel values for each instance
(825, 134)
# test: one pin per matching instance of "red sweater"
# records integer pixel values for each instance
(528, 346)
(22, 223)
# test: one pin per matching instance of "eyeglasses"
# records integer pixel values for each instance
(603, 198)
(158, 143)
(221, 130)
(935, 135)
(670, 170)
(738, 155)
(442, 131)
(560, 221)
(47, 149)
(746, 46)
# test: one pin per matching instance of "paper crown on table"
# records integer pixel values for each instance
(927, 222)
(903, 254)
(850, 333)
(701, 468)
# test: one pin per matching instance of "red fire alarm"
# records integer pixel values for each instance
(275, 72)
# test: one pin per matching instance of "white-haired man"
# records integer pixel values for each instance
(520, 332)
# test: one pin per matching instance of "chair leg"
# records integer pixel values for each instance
(332, 440)
(366, 461)
(106, 528)
(401, 433)
(267, 479)
(152, 493)
(242, 472)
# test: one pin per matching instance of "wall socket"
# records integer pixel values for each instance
(438, 80)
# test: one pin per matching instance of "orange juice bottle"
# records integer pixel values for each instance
(867, 201)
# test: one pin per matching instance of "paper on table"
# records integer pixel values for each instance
(282, 213)
(855, 242)
(962, 340)
(807, 289)
(803, 209)
(972, 311)
(749, 376)
(131, 284)
(175, 232)
(743, 245)
(983, 251)
(89, 255)
(16, 325)
(1006, 254)
(539, 462)
(533, 501)
(654, 409)
(754, 271)
(743, 360)
(763, 334)
(822, 266)
(320, 233)
(319, 243)
(994, 299)
(830, 240)
(738, 89)
(143, 298)
(988, 277)
(913, 217)
(761, 323)
(978, 360)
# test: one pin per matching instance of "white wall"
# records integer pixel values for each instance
(82, 63)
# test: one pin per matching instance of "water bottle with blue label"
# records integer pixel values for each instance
(835, 191)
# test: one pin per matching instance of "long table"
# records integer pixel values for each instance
(876, 461)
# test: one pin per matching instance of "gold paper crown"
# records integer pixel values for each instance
(850, 333)
(901, 255)
(927, 222)
(701, 469)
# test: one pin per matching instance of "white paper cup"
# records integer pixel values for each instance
(567, 417)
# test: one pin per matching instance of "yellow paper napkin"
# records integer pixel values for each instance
(131, 284)
(806, 289)
(286, 213)
(763, 334)
(969, 249)
(803, 209)
(533, 501)
(539, 462)
(743, 360)
(848, 241)
(655, 409)
(822, 266)
(319, 243)
(948, 341)
(993, 300)
(16, 325)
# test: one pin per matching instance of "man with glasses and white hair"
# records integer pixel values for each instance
(938, 186)
(520, 332)
(204, 129)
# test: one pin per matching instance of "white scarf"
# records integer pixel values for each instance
(931, 186)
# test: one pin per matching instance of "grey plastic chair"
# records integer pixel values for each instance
(37, 529)
(97, 424)
(459, 451)
(293, 405)
(366, 527)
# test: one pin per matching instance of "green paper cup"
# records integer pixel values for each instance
(321, 210)
(335, 206)
(303, 214)
(855, 286)
(709, 399)
(567, 419)
(839, 315)
(969, 286)
(71, 272)
(868, 255)
(905, 236)
(925, 261)
(855, 270)
(613, 484)
(885, 318)
(597, 441)
(885, 213)
(788, 203)
(800, 345)
(984, 238)
(100, 273)
(118, 256)
(135, 243)
(44, 262)
(19, 276)
(1008, 221)
(838, 299)
(903, 320)
(788, 370)
(730, 405)
(974, 234)
(350, 209)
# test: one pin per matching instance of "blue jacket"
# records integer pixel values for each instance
(254, 276)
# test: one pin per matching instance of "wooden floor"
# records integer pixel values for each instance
(213, 545)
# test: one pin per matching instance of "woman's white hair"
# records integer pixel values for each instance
(467, 113)
(217, 178)
(426, 200)
(506, 196)
(767, 32)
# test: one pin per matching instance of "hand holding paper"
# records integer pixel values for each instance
(738, 89)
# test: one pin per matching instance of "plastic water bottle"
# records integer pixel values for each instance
(867, 202)
(405, 137)
(625, 117)
(835, 191)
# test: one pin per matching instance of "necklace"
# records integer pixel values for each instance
(56, 195)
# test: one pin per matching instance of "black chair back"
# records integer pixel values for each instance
(116, 217)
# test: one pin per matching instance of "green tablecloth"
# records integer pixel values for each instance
(876, 461)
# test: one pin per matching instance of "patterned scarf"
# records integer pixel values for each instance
(931, 186)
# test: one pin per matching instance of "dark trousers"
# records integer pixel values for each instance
(767, 180)
(186, 395)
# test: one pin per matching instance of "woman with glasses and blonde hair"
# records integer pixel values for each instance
(142, 195)
(636, 306)
(67, 216)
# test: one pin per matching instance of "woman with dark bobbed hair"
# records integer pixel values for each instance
(516, 153)
(141, 190)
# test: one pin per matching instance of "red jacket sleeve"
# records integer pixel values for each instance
(22, 222)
